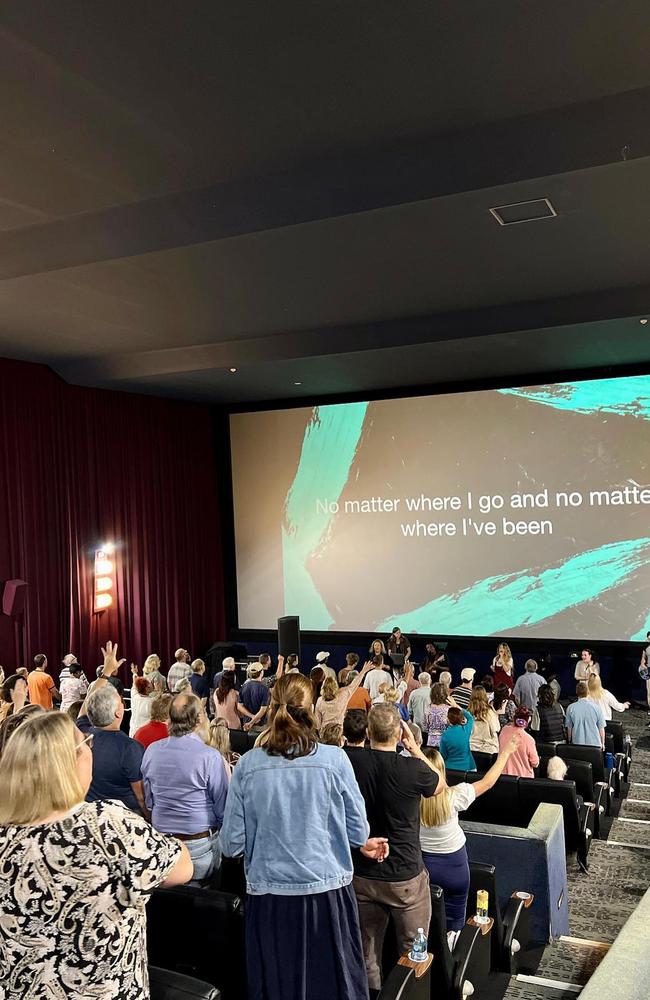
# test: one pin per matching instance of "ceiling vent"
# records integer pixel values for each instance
(524, 211)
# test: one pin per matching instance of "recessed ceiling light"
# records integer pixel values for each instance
(233, 370)
(643, 322)
(297, 383)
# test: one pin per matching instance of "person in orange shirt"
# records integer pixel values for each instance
(361, 697)
(42, 689)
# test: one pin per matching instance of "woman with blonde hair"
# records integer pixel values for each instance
(503, 667)
(219, 739)
(151, 669)
(81, 872)
(484, 739)
(604, 699)
(409, 682)
(293, 810)
(391, 697)
(442, 840)
(333, 701)
(12, 723)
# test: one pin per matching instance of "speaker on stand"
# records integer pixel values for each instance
(288, 635)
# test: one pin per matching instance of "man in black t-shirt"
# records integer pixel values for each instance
(392, 787)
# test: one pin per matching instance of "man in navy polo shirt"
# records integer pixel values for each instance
(254, 697)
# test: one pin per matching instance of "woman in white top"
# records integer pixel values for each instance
(586, 666)
(141, 695)
(604, 699)
(442, 840)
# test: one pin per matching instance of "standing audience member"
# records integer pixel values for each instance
(334, 701)
(316, 678)
(13, 694)
(151, 669)
(503, 667)
(293, 810)
(198, 683)
(254, 697)
(416, 733)
(225, 700)
(332, 735)
(525, 758)
(42, 690)
(454, 742)
(503, 705)
(117, 759)
(391, 697)
(444, 678)
(463, 692)
(322, 661)
(360, 698)
(13, 722)
(410, 681)
(443, 841)
(392, 787)
(488, 683)
(90, 868)
(219, 739)
(604, 699)
(186, 784)
(228, 666)
(141, 695)
(586, 666)
(584, 720)
(355, 729)
(73, 687)
(377, 676)
(484, 739)
(158, 726)
(526, 689)
(419, 701)
(435, 720)
(180, 669)
(551, 717)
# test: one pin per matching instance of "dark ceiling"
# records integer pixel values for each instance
(302, 191)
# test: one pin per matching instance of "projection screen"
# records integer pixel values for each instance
(509, 512)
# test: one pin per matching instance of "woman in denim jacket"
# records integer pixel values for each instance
(293, 810)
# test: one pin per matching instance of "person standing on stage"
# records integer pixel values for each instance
(398, 644)
(503, 667)
(586, 666)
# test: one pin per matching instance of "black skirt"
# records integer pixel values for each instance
(305, 947)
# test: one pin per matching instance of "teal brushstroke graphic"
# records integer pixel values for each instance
(514, 600)
(328, 449)
(640, 636)
(622, 396)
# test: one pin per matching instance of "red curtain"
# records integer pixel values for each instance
(81, 467)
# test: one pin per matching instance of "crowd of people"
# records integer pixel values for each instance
(342, 812)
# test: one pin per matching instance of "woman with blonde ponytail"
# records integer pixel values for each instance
(294, 810)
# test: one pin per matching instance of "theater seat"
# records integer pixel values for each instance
(578, 819)
(602, 776)
(209, 938)
(511, 931)
(581, 772)
(166, 985)
(457, 974)
(408, 981)
(500, 804)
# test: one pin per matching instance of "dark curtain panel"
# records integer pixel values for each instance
(80, 467)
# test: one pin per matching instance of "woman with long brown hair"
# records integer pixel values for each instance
(294, 809)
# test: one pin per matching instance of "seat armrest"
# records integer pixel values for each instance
(472, 956)
(515, 931)
(407, 979)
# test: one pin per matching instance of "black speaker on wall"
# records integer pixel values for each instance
(288, 635)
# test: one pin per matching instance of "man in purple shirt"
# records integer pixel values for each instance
(186, 784)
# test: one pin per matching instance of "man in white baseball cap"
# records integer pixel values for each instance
(463, 692)
(321, 661)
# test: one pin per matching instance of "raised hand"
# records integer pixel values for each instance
(111, 662)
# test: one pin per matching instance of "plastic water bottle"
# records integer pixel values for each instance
(419, 948)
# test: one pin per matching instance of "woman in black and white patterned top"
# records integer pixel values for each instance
(75, 876)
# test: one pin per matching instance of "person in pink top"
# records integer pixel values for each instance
(225, 701)
(525, 757)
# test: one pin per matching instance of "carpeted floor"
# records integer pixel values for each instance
(601, 901)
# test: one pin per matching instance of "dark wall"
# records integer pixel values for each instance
(79, 467)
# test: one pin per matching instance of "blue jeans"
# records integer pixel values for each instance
(206, 856)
